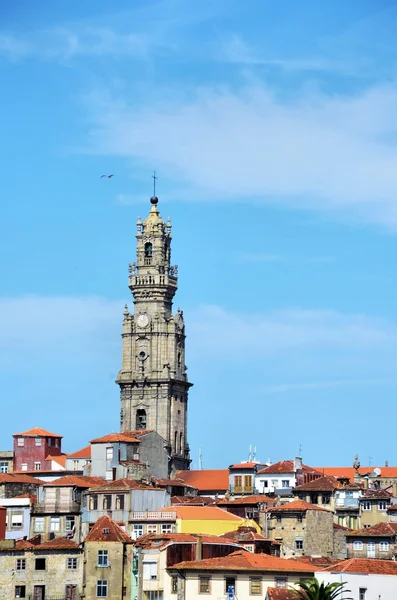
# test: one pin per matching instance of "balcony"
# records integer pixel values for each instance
(343, 503)
(243, 489)
(142, 515)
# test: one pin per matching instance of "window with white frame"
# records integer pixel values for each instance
(366, 505)
(16, 520)
(204, 584)
(149, 570)
(38, 525)
(357, 545)
(166, 528)
(21, 564)
(55, 524)
(72, 563)
(285, 483)
(24, 467)
(37, 466)
(21, 441)
(103, 558)
(382, 505)
(109, 453)
(101, 588)
(281, 582)
(56, 442)
(151, 528)
(299, 543)
(3, 467)
(255, 586)
(137, 531)
(384, 546)
(37, 441)
(69, 523)
(75, 465)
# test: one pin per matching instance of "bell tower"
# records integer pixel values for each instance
(153, 380)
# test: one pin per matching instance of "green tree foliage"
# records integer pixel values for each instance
(312, 589)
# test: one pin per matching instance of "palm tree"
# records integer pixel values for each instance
(312, 589)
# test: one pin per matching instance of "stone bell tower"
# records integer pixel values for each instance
(153, 380)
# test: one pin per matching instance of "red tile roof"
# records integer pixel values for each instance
(376, 494)
(245, 465)
(206, 480)
(18, 478)
(367, 566)
(349, 472)
(285, 467)
(125, 484)
(295, 506)
(83, 453)
(326, 484)
(37, 432)
(379, 529)
(246, 561)
(245, 534)
(126, 436)
(106, 530)
(165, 539)
(280, 594)
(195, 500)
(80, 481)
(58, 543)
(202, 513)
(252, 499)
(61, 459)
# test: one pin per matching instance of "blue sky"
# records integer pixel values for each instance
(272, 127)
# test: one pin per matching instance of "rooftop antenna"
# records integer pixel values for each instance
(369, 461)
(200, 461)
(254, 454)
(154, 183)
(250, 453)
(300, 450)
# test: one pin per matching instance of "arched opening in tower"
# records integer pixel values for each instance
(140, 419)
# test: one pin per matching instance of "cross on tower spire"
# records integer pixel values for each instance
(154, 183)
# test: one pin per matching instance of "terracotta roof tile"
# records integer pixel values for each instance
(245, 465)
(61, 459)
(165, 539)
(245, 534)
(81, 481)
(125, 436)
(295, 506)
(192, 500)
(206, 480)
(37, 432)
(83, 453)
(246, 561)
(252, 499)
(349, 472)
(58, 543)
(280, 594)
(287, 467)
(326, 483)
(379, 529)
(126, 484)
(368, 494)
(365, 565)
(202, 513)
(106, 530)
(20, 477)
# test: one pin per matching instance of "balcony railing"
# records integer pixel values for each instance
(142, 515)
(347, 503)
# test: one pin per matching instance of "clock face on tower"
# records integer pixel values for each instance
(142, 320)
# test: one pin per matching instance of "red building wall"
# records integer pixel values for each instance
(31, 453)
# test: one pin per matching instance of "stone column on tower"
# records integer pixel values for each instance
(153, 380)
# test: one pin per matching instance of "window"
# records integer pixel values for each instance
(255, 586)
(326, 498)
(39, 564)
(3, 467)
(55, 524)
(75, 465)
(16, 521)
(314, 498)
(69, 523)
(362, 593)
(141, 418)
(56, 442)
(137, 531)
(248, 481)
(72, 563)
(166, 528)
(39, 524)
(384, 546)
(230, 585)
(24, 467)
(21, 441)
(37, 466)
(150, 570)
(109, 453)
(21, 564)
(103, 556)
(366, 505)
(20, 591)
(107, 502)
(151, 528)
(120, 501)
(299, 518)
(382, 505)
(281, 582)
(174, 584)
(238, 481)
(298, 543)
(101, 588)
(49, 441)
(37, 441)
(284, 483)
(278, 518)
(148, 253)
(357, 545)
(93, 503)
(204, 585)
(265, 483)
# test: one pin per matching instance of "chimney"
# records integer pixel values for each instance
(199, 548)
(297, 464)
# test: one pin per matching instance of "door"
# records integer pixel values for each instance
(371, 549)
(39, 592)
(71, 592)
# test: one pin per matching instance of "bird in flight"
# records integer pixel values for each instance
(108, 176)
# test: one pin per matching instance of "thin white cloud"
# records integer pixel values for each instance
(313, 151)
(260, 257)
(12, 47)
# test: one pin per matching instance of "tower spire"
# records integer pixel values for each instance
(154, 176)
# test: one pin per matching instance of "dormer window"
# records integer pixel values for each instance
(148, 253)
